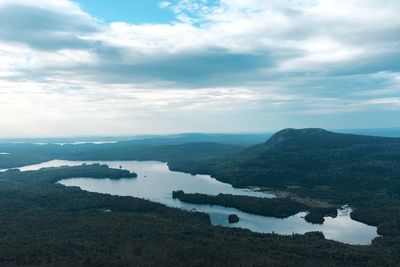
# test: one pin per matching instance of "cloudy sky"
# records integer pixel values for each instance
(132, 67)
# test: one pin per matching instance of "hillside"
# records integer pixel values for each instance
(309, 156)
(314, 138)
(362, 171)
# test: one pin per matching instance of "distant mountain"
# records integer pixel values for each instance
(127, 151)
(233, 139)
(314, 138)
(308, 157)
(173, 139)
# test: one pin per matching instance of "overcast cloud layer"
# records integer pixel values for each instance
(228, 65)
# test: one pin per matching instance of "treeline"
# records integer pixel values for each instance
(28, 154)
(274, 207)
(85, 170)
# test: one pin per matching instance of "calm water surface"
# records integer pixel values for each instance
(156, 182)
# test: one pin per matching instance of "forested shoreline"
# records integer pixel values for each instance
(44, 223)
(274, 207)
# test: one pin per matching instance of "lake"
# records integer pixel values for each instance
(156, 182)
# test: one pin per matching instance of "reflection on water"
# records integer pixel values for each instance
(156, 182)
(87, 142)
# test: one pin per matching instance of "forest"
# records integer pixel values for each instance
(361, 171)
(44, 223)
(47, 224)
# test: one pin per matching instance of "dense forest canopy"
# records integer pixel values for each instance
(43, 223)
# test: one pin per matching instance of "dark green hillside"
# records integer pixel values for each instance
(310, 157)
(26, 154)
(317, 139)
(124, 151)
(362, 171)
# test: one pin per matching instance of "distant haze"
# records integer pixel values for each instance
(227, 138)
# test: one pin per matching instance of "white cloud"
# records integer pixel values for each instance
(291, 33)
(218, 56)
(164, 4)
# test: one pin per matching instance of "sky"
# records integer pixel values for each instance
(152, 67)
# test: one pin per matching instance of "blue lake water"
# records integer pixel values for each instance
(156, 182)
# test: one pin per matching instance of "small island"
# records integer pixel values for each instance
(274, 207)
(233, 218)
(102, 171)
(95, 171)
(316, 215)
(314, 218)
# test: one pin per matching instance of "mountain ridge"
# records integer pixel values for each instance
(318, 138)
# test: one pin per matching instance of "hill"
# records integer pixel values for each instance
(314, 138)
(309, 156)
(363, 171)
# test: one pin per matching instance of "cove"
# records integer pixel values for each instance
(156, 182)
